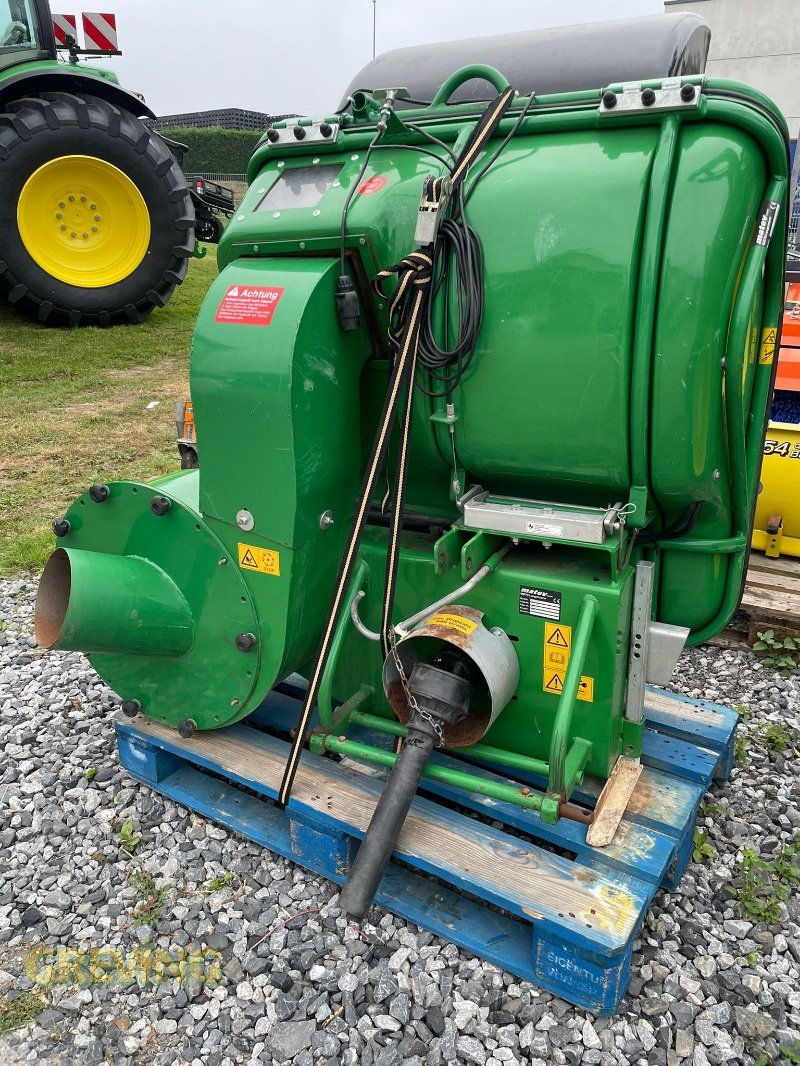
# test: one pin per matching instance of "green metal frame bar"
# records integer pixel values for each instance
(655, 226)
(477, 751)
(557, 783)
(325, 696)
(522, 796)
(563, 772)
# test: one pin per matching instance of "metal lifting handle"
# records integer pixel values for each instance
(481, 71)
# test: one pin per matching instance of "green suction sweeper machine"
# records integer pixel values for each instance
(480, 397)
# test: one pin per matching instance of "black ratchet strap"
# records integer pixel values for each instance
(414, 273)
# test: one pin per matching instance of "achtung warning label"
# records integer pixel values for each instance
(454, 621)
(248, 305)
(262, 560)
(374, 184)
(766, 352)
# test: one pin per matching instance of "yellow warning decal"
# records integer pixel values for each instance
(767, 351)
(557, 636)
(454, 621)
(557, 644)
(262, 560)
(586, 689)
(553, 682)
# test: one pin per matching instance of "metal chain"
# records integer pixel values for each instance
(412, 703)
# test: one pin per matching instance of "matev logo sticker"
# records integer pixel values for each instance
(248, 305)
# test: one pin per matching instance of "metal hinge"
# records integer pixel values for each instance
(632, 97)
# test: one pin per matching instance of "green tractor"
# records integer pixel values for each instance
(96, 218)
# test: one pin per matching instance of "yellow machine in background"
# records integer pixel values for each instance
(776, 529)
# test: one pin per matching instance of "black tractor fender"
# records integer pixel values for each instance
(74, 81)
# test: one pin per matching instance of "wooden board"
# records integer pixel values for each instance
(565, 920)
(771, 597)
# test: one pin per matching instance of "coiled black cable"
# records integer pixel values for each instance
(454, 316)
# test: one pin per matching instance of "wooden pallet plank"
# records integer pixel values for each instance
(645, 853)
(774, 580)
(768, 604)
(506, 871)
(689, 719)
(679, 757)
(783, 565)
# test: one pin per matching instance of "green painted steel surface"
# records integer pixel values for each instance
(205, 678)
(626, 294)
(162, 625)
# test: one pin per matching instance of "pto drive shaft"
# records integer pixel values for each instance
(440, 698)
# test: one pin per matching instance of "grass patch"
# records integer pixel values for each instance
(765, 885)
(128, 838)
(702, 848)
(73, 409)
(775, 738)
(151, 898)
(740, 750)
(215, 883)
(16, 1013)
(779, 653)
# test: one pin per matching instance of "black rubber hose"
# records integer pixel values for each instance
(384, 828)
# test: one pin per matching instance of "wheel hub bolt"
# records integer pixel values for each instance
(59, 215)
(97, 218)
(130, 708)
(99, 493)
(61, 203)
(83, 199)
(94, 229)
(187, 728)
(61, 527)
(92, 207)
(63, 227)
(72, 236)
(71, 199)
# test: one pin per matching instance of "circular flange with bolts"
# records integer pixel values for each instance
(213, 673)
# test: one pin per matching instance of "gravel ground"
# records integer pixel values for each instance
(297, 982)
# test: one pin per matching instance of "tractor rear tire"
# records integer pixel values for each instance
(96, 219)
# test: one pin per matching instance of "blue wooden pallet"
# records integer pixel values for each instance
(563, 919)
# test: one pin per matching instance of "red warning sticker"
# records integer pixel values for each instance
(375, 184)
(248, 305)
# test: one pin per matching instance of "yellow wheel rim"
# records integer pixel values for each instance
(83, 221)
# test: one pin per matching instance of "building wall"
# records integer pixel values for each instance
(756, 42)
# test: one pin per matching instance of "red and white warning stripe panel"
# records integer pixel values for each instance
(65, 26)
(99, 31)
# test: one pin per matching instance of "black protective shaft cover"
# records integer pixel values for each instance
(554, 60)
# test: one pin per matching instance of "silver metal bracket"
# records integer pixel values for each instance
(538, 520)
(664, 646)
(674, 94)
(655, 646)
(315, 133)
(432, 207)
(640, 640)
